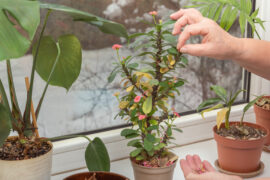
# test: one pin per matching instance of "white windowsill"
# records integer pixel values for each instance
(68, 154)
(206, 150)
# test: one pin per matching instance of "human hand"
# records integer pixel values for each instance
(194, 169)
(216, 42)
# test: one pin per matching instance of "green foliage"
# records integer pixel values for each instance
(96, 156)
(227, 11)
(223, 98)
(12, 43)
(148, 83)
(5, 121)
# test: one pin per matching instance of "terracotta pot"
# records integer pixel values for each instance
(241, 156)
(29, 169)
(263, 119)
(99, 176)
(146, 173)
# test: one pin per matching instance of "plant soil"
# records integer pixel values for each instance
(241, 132)
(14, 149)
(264, 103)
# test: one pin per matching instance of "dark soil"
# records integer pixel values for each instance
(15, 149)
(241, 132)
(264, 103)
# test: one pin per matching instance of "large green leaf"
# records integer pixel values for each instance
(104, 25)
(68, 66)
(12, 43)
(5, 121)
(147, 105)
(220, 92)
(96, 156)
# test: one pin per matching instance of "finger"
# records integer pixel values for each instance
(195, 49)
(185, 167)
(191, 162)
(177, 14)
(181, 22)
(191, 30)
(197, 161)
(208, 167)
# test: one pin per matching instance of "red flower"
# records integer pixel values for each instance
(153, 13)
(141, 117)
(137, 99)
(116, 46)
(176, 114)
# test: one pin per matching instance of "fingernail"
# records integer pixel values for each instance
(173, 32)
(183, 50)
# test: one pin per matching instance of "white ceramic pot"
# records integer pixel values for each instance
(38, 168)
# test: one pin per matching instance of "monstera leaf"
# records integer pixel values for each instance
(12, 43)
(67, 52)
(104, 25)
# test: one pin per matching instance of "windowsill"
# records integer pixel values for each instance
(206, 150)
(69, 154)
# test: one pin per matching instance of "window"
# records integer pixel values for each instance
(90, 104)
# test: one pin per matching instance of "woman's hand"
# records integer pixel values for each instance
(216, 42)
(194, 169)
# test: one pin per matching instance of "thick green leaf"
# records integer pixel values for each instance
(96, 156)
(251, 103)
(104, 25)
(169, 131)
(234, 97)
(134, 143)
(12, 43)
(150, 138)
(112, 75)
(5, 121)
(147, 105)
(220, 92)
(68, 66)
(126, 132)
(208, 102)
(136, 152)
(4, 99)
(148, 146)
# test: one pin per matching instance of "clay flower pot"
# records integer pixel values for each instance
(99, 176)
(263, 119)
(148, 173)
(240, 156)
(29, 169)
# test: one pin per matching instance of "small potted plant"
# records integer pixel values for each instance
(262, 112)
(239, 143)
(28, 156)
(144, 100)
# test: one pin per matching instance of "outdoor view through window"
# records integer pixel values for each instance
(90, 104)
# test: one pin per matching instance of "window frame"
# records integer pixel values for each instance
(68, 155)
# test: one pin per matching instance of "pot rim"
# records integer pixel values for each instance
(153, 167)
(47, 153)
(104, 172)
(241, 140)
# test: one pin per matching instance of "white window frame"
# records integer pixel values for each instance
(68, 155)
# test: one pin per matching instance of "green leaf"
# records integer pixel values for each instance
(133, 65)
(154, 127)
(169, 131)
(230, 103)
(12, 43)
(220, 92)
(210, 109)
(212, 11)
(126, 132)
(208, 102)
(184, 60)
(132, 36)
(218, 12)
(232, 19)
(139, 158)
(150, 138)
(251, 103)
(179, 83)
(68, 66)
(177, 129)
(147, 105)
(172, 51)
(112, 76)
(104, 25)
(242, 22)
(134, 143)
(153, 122)
(136, 152)
(4, 99)
(153, 82)
(96, 156)
(5, 121)
(225, 16)
(148, 146)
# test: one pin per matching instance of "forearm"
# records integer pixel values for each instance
(253, 55)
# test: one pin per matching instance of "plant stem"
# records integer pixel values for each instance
(48, 81)
(26, 118)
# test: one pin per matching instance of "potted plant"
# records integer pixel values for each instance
(239, 143)
(144, 100)
(58, 63)
(262, 112)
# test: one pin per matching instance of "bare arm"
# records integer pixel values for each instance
(254, 55)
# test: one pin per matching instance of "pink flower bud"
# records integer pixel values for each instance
(176, 114)
(153, 13)
(141, 117)
(116, 46)
(137, 99)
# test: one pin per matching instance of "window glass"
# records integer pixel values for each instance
(90, 104)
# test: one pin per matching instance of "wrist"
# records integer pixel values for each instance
(237, 49)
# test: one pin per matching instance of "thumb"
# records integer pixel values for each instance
(194, 49)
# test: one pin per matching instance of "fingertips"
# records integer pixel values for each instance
(185, 167)
(177, 14)
(197, 161)
(208, 167)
